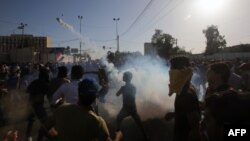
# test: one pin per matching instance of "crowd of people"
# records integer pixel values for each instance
(208, 96)
(225, 101)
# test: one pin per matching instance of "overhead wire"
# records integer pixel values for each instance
(163, 8)
(138, 18)
(108, 40)
(166, 14)
(171, 10)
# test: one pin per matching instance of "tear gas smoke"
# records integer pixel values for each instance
(198, 85)
(188, 17)
(150, 77)
(89, 47)
(67, 26)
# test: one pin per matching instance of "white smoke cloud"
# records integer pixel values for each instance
(150, 76)
(188, 17)
(88, 46)
(71, 29)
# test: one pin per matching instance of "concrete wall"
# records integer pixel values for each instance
(225, 56)
(52, 58)
(4, 57)
(21, 55)
(24, 55)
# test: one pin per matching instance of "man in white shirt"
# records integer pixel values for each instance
(69, 91)
(85, 125)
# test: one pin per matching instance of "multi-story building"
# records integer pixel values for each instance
(11, 46)
(16, 41)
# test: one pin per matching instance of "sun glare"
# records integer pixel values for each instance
(211, 6)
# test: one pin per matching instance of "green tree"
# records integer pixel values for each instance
(163, 43)
(215, 42)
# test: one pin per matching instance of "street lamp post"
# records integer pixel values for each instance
(117, 36)
(80, 18)
(22, 26)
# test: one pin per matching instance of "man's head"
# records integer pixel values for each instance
(14, 70)
(87, 92)
(62, 72)
(180, 62)
(44, 74)
(127, 76)
(77, 72)
(180, 74)
(217, 75)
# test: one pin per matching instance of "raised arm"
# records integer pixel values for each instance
(119, 92)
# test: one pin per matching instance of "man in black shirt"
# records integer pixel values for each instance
(37, 90)
(223, 105)
(187, 112)
(128, 92)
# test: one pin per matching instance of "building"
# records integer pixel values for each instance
(221, 56)
(51, 54)
(14, 41)
(9, 46)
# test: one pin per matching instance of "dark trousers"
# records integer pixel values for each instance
(130, 112)
(2, 119)
(39, 112)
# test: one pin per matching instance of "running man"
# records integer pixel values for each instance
(128, 92)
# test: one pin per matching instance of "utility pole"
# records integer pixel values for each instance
(22, 26)
(117, 36)
(80, 18)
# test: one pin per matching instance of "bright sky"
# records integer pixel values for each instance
(183, 19)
